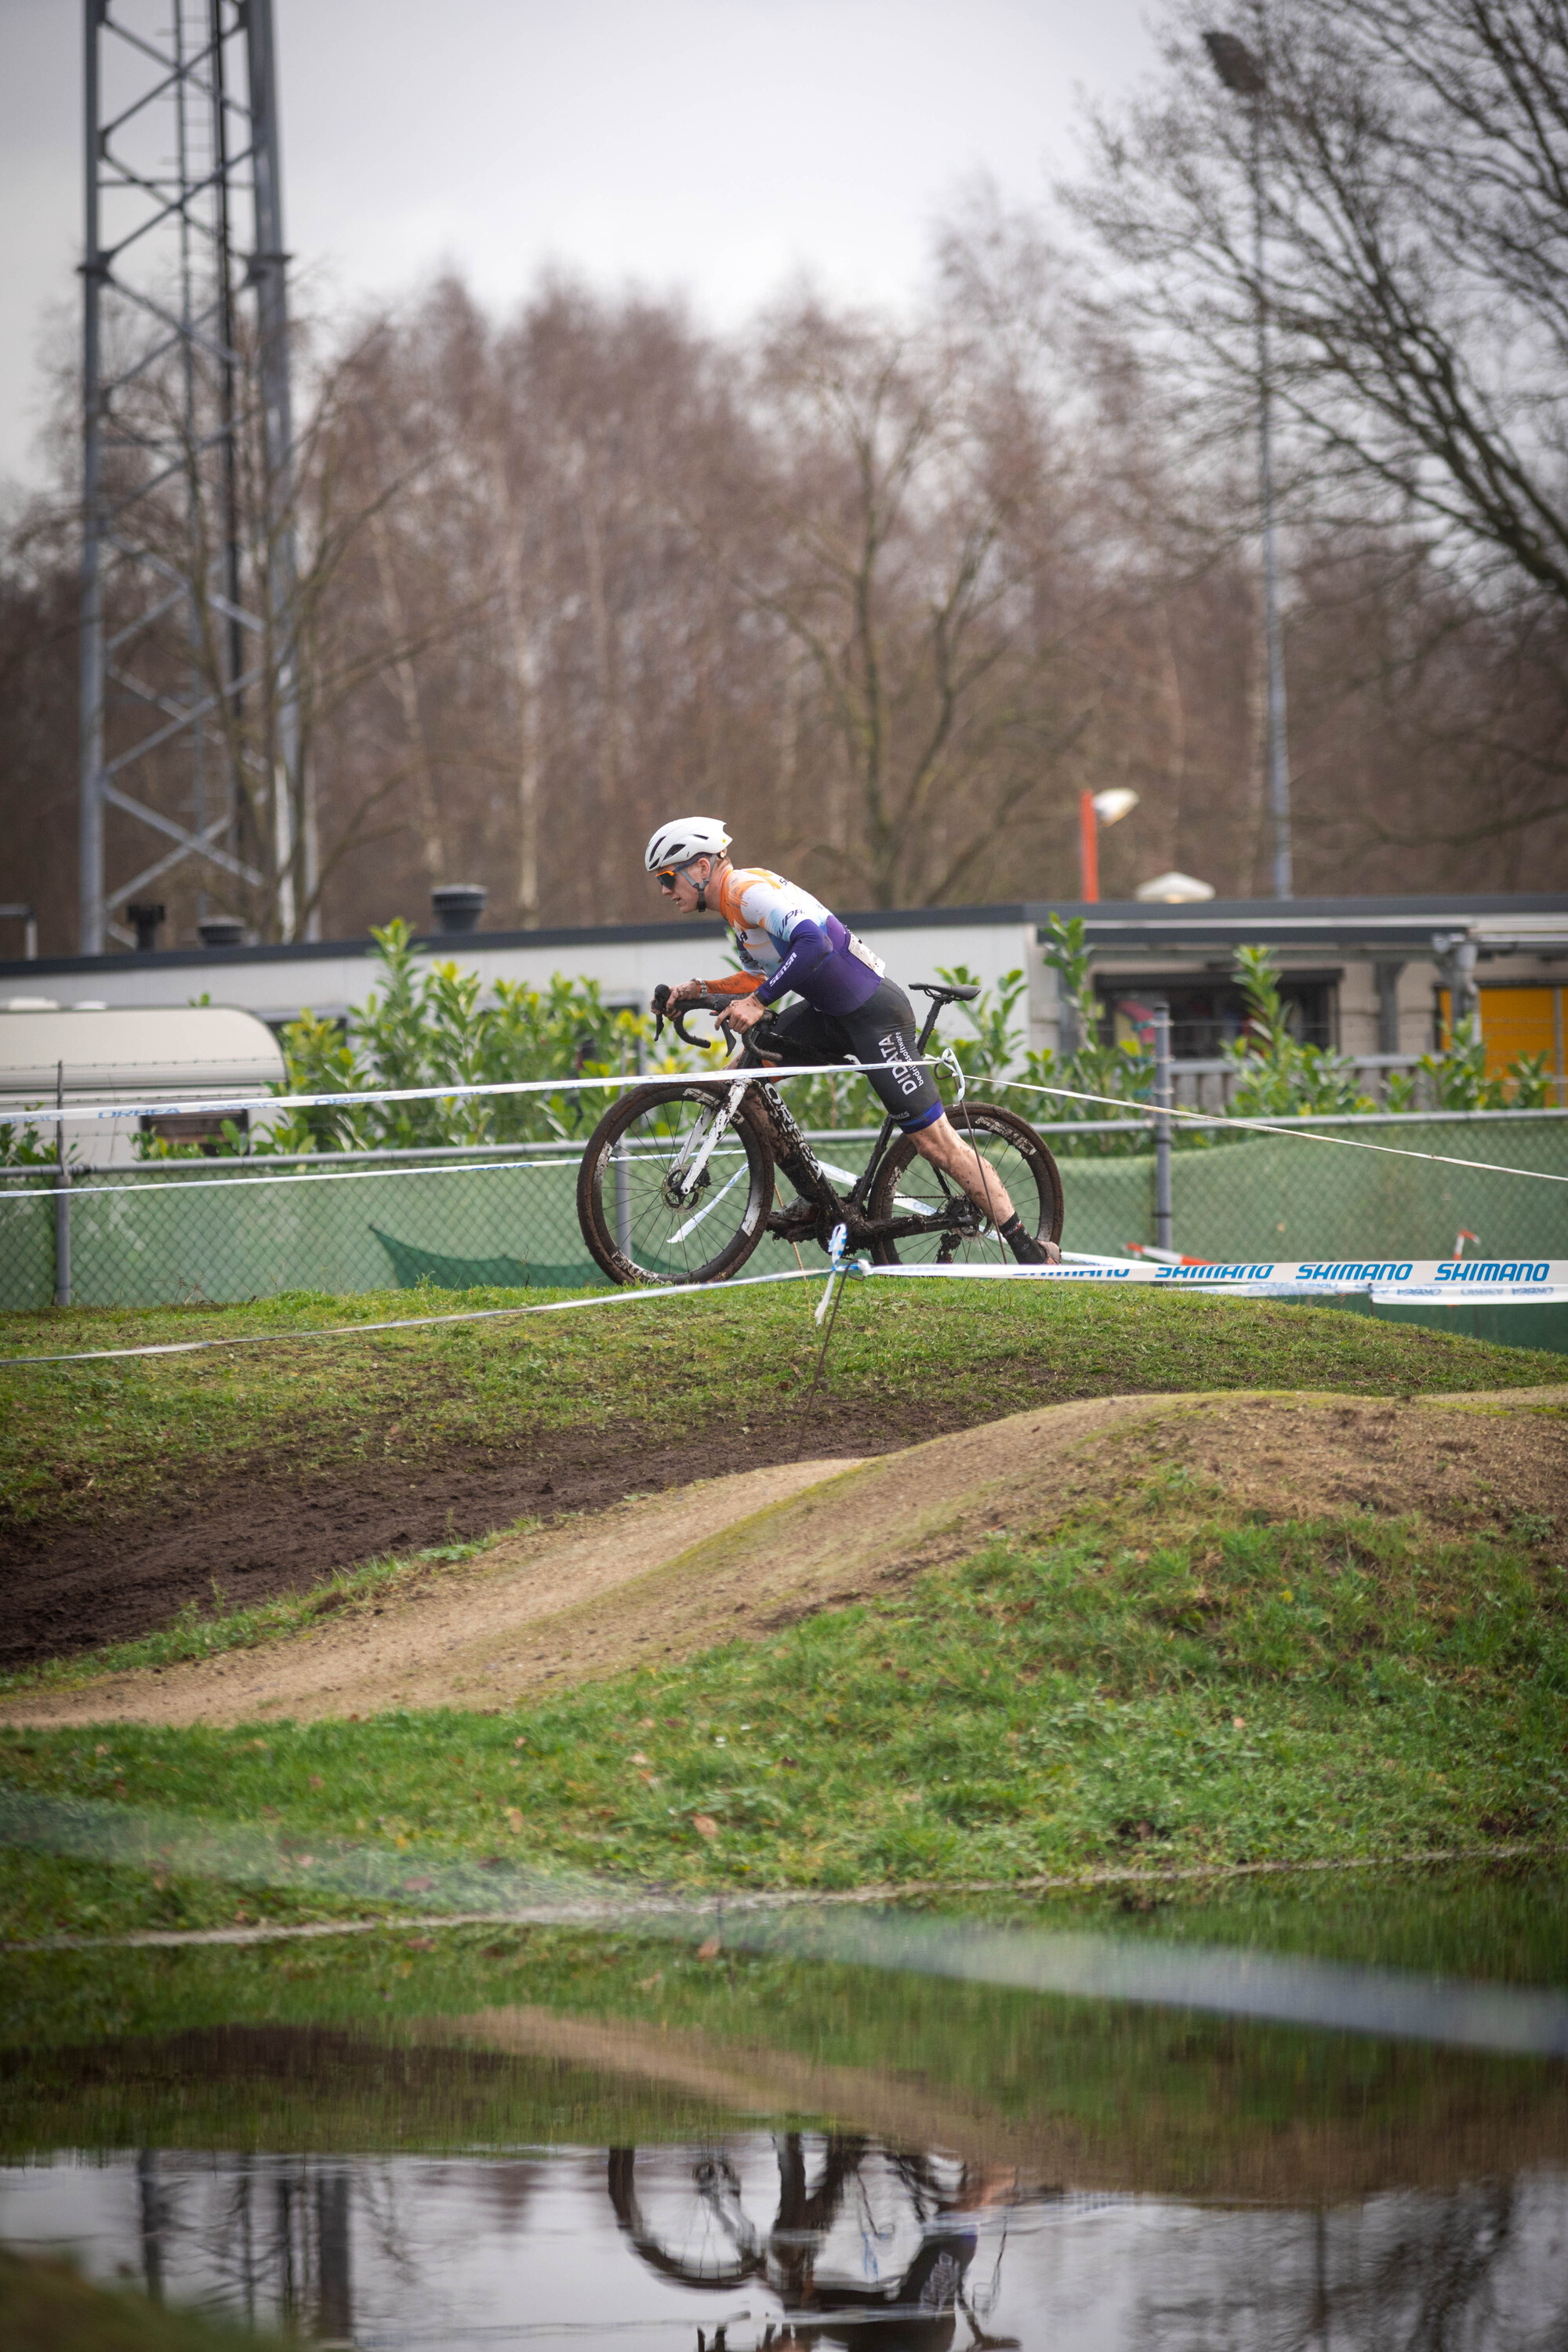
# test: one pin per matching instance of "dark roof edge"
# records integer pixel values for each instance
(458, 943)
(1447, 908)
(1120, 913)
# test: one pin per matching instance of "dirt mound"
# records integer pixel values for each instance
(1460, 1463)
(464, 1639)
(1157, 2146)
(275, 1524)
(661, 1577)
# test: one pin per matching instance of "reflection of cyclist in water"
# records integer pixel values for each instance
(917, 2312)
(696, 2229)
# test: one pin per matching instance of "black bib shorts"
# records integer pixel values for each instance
(882, 1033)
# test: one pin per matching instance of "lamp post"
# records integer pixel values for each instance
(1094, 809)
(1243, 72)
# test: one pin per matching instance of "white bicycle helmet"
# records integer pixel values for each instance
(686, 838)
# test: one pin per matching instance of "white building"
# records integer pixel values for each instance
(1370, 977)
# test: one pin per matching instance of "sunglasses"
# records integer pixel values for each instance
(666, 879)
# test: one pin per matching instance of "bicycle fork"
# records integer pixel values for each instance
(686, 1173)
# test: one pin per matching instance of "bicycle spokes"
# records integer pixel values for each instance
(673, 1190)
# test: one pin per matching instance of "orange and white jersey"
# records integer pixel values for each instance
(787, 939)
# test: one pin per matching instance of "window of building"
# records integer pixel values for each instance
(1209, 1014)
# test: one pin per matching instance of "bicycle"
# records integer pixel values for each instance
(669, 1160)
(859, 2229)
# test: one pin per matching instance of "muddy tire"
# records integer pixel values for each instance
(639, 1222)
(1004, 1142)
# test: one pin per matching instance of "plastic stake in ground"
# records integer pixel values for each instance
(828, 1305)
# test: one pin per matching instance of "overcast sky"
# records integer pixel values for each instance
(714, 146)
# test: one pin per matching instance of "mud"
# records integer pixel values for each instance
(555, 1603)
(268, 1526)
(655, 1580)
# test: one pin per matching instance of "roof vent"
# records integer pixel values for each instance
(1174, 889)
(221, 931)
(458, 906)
(144, 918)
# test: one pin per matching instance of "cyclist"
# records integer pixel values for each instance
(790, 942)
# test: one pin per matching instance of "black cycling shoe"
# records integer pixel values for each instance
(1029, 1252)
(798, 1222)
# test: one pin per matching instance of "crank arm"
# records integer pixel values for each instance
(900, 1229)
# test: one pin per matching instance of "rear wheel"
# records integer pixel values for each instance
(908, 1185)
(643, 1218)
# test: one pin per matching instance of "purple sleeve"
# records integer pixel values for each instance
(809, 946)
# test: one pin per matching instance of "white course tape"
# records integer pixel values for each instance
(722, 1073)
(294, 1176)
(1297, 1131)
(626, 1298)
(51, 1115)
(57, 1114)
(1447, 1282)
(1444, 1282)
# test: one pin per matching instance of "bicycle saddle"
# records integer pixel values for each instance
(948, 992)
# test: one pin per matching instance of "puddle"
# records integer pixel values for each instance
(549, 2137)
(794, 2238)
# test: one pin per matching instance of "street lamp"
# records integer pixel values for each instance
(1242, 72)
(1094, 809)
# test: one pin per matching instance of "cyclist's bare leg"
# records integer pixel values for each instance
(942, 1144)
(945, 1148)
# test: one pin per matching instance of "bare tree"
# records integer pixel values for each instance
(886, 595)
(1411, 157)
(876, 523)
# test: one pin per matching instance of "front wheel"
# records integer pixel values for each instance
(908, 1185)
(649, 1212)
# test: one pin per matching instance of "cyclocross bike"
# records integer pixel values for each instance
(864, 2236)
(677, 1183)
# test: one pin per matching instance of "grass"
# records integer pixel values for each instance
(47, 2306)
(357, 2046)
(85, 1443)
(1154, 1684)
(1503, 1921)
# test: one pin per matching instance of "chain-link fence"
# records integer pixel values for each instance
(494, 1217)
(1274, 1196)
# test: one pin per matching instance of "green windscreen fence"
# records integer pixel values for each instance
(199, 1232)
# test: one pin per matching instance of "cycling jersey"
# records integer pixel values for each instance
(787, 940)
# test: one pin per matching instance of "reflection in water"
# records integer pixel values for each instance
(537, 2139)
(257, 2238)
(752, 2239)
(862, 2236)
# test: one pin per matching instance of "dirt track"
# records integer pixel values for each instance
(667, 1576)
(266, 1527)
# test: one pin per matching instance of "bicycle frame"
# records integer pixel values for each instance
(800, 1163)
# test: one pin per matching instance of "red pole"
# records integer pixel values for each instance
(1089, 849)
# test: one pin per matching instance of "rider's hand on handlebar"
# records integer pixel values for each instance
(743, 1013)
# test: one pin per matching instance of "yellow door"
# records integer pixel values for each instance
(1517, 1021)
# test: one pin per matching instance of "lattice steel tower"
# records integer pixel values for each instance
(190, 702)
